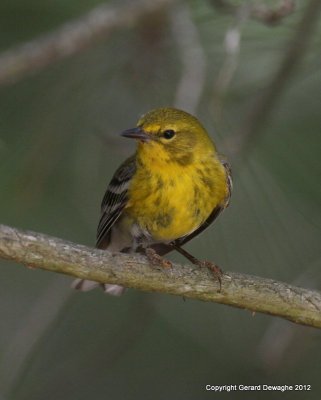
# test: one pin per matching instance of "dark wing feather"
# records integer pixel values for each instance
(162, 248)
(114, 201)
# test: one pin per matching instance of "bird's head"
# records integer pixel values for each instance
(168, 135)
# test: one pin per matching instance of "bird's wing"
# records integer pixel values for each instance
(163, 248)
(114, 201)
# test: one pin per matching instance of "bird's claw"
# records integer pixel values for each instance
(157, 260)
(214, 269)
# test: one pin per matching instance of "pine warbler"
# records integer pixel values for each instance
(168, 192)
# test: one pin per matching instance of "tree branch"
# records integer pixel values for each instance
(73, 37)
(37, 250)
(258, 10)
(268, 98)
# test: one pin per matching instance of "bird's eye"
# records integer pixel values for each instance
(169, 133)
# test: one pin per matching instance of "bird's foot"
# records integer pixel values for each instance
(214, 269)
(157, 260)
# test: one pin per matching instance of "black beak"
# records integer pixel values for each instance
(136, 133)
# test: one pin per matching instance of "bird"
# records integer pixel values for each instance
(173, 187)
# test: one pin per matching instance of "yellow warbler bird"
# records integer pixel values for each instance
(168, 192)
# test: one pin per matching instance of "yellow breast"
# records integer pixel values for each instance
(173, 202)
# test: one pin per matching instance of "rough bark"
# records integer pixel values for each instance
(257, 294)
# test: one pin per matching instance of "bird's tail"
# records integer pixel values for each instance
(85, 285)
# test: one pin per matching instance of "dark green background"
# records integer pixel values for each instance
(59, 146)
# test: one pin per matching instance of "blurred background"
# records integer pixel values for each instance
(250, 71)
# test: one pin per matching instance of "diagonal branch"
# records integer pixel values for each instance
(257, 10)
(73, 37)
(37, 250)
(267, 101)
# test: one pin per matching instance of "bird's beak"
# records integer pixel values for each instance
(136, 133)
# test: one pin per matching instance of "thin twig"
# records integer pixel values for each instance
(258, 11)
(265, 104)
(232, 45)
(193, 74)
(299, 305)
(31, 329)
(73, 37)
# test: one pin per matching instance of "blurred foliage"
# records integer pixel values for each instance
(59, 146)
